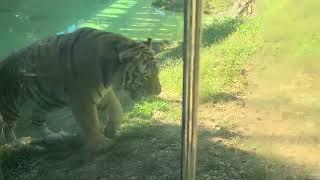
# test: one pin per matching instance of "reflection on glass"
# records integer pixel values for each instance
(259, 110)
(50, 85)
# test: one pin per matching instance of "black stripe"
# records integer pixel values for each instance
(82, 33)
(58, 39)
(9, 101)
(42, 95)
(9, 92)
(8, 117)
(97, 34)
(59, 47)
(39, 52)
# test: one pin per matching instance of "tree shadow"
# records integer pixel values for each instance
(218, 30)
(217, 159)
(167, 54)
(213, 33)
(221, 97)
(142, 151)
(170, 5)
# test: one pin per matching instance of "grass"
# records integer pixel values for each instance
(229, 47)
(228, 43)
(222, 64)
(284, 81)
(234, 140)
(145, 108)
(220, 5)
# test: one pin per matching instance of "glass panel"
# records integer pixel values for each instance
(47, 85)
(259, 110)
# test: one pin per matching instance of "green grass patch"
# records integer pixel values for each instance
(171, 79)
(218, 30)
(222, 64)
(284, 33)
(145, 108)
(302, 39)
(228, 43)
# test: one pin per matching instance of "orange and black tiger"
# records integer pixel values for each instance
(81, 70)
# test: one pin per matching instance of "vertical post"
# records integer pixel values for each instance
(1, 142)
(192, 44)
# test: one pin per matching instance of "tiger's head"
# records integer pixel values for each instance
(140, 73)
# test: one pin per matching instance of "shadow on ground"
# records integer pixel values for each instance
(143, 151)
(218, 30)
(213, 33)
(221, 97)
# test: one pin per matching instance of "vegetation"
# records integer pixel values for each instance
(232, 49)
(218, 5)
(237, 56)
(211, 6)
(228, 43)
(176, 5)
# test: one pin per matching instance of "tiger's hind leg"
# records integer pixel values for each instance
(7, 129)
(39, 126)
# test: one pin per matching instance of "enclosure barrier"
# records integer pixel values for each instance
(192, 37)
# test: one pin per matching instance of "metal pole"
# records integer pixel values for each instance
(192, 44)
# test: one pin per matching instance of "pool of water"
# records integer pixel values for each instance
(23, 22)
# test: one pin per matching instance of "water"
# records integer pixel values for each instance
(23, 23)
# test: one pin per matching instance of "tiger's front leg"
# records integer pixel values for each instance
(85, 112)
(110, 106)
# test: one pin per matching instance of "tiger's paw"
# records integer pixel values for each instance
(110, 132)
(98, 145)
(50, 135)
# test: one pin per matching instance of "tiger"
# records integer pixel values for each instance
(83, 70)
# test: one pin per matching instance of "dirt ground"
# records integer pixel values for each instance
(278, 119)
(270, 133)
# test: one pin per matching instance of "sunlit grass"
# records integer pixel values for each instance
(219, 5)
(221, 62)
(284, 40)
(284, 88)
(146, 108)
(171, 80)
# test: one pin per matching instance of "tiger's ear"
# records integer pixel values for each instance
(128, 54)
(124, 56)
(148, 42)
